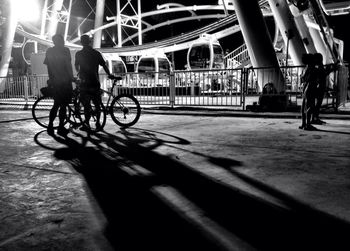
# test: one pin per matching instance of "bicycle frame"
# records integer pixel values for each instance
(110, 94)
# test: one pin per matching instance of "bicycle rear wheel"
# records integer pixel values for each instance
(75, 118)
(41, 112)
(125, 110)
(98, 117)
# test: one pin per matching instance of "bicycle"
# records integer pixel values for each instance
(124, 110)
(42, 107)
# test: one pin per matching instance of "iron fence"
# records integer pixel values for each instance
(233, 88)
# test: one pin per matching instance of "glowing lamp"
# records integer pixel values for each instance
(26, 10)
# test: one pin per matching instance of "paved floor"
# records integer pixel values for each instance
(176, 182)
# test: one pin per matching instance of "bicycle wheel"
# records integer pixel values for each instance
(75, 118)
(125, 110)
(98, 117)
(41, 111)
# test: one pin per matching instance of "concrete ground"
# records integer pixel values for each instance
(177, 181)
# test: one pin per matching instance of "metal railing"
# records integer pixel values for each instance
(234, 88)
(237, 57)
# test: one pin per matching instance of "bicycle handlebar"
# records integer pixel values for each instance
(112, 77)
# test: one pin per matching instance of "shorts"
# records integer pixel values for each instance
(90, 95)
(62, 94)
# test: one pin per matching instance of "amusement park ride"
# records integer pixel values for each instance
(306, 32)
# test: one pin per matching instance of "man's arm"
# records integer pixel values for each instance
(102, 62)
(69, 64)
(106, 69)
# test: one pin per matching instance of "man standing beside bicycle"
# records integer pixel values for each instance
(87, 62)
(59, 66)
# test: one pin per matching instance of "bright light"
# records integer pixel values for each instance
(26, 10)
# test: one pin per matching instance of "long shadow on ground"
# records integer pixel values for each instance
(122, 171)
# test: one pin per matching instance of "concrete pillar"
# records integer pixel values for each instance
(289, 31)
(259, 43)
(305, 34)
(100, 7)
(57, 6)
(320, 45)
(43, 19)
(66, 28)
(8, 34)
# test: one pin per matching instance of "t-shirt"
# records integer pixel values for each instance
(89, 60)
(58, 61)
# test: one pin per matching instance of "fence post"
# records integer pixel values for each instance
(172, 89)
(192, 82)
(26, 92)
(244, 85)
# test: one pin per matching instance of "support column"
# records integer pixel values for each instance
(139, 22)
(43, 19)
(57, 6)
(66, 28)
(290, 34)
(8, 36)
(305, 34)
(319, 43)
(100, 7)
(259, 43)
(119, 24)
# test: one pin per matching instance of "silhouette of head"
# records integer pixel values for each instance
(58, 40)
(307, 58)
(318, 58)
(85, 40)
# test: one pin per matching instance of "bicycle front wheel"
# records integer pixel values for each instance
(41, 112)
(125, 110)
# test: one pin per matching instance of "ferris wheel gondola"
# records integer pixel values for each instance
(153, 67)
(205, 53)
(116, 66)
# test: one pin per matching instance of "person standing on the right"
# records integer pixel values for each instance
(322, 73)
(87, 62)
(309, 81)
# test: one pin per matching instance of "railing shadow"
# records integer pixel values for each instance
(122, 170)
(330, 131)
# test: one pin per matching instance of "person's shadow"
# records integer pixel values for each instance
(137, 218)
(153, 201)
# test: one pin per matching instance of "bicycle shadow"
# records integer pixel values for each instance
(124, 171)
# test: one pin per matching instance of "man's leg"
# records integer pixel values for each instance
(303, 113)
(85, 100)
(52, 116)
(316, 114)
(310, 104)
(62, 116)
(97, 102)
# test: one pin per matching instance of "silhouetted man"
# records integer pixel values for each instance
(87, 62)
(322, 73)
(309, 81)
(59, 66)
